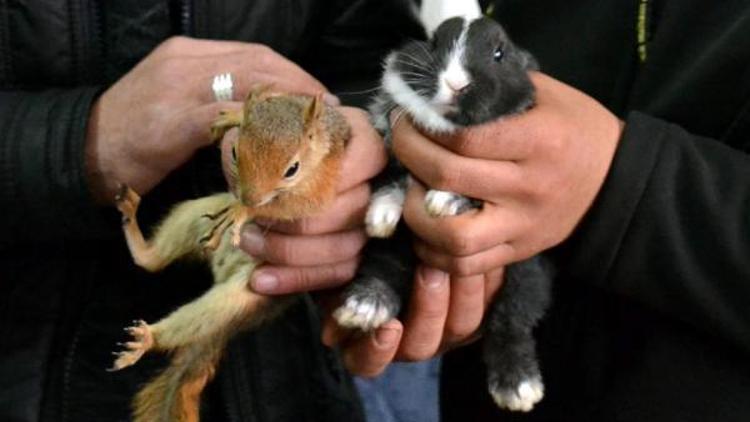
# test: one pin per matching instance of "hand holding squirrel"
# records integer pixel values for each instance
(321, 251)
(283, 165)
(156, 116)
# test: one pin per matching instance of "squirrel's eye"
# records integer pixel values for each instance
(498, 54)
(292, 170)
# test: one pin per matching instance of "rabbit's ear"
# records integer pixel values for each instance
(434, 12)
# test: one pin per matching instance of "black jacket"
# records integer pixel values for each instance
(650, 320)
(67, 284)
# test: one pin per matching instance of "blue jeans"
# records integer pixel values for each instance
(404, 392)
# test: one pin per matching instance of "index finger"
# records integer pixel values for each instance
(255, 66)
(445, 170)
(465, 234)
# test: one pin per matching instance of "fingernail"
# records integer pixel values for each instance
(263, 282)
(433, 278)
(252, 241)
(386, 337)
(331, 100)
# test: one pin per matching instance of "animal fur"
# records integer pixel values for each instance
(275, 130)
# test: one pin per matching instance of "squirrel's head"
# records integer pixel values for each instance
(282, 144)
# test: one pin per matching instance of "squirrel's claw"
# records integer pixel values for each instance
(143, 341)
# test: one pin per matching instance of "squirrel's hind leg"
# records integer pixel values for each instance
(223, 310)
(142, 342)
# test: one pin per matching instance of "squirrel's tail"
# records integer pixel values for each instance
(174, 395)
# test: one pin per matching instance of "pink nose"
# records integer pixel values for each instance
(457, 85)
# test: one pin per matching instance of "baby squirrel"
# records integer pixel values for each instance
(284, 166)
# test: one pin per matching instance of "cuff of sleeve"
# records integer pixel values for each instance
(47, 176)
(590, 253)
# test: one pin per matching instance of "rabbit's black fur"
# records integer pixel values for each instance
(492, 74)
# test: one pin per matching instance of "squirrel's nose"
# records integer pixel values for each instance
(251, 200)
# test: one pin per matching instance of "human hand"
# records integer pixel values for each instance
(156, 116)
(444, 312)
(321, 251)
(537, 173)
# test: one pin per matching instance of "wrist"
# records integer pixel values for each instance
(101, 183)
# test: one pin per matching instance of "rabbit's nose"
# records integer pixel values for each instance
(457, 84)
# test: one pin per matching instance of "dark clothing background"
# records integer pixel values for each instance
(649, 321)
(650, 318)
(68, 284)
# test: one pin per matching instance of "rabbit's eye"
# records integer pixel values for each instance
(292, 170)
(498, 54)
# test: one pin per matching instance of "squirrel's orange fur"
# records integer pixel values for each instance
(285, 166)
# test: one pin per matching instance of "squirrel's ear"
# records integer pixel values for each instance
(314, 111)
(256, 94)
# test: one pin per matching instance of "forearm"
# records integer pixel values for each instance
(44, 185)
(671, 228)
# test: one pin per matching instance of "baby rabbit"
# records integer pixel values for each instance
(284, 166)
(468, 73)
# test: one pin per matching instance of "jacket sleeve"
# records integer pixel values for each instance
(43, 185)
(671, 229)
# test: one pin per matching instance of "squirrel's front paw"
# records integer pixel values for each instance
(143, 341)
(127, 201)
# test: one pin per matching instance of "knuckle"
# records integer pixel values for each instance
(303, 279)
(263, 55)
(432, 314)
(367, 370)
(304, 226)
(345, 271)
(416, 352)
(173, 45)
(508, 253)
(464, 267)
(459, 243)
(313, 278)
(282, 251)
(168, 68)
(446, 177)
(355, 115)
(467, 142)
(458, 330)
(554, 145)
(358, 242)
(362, 364)
(543, 188)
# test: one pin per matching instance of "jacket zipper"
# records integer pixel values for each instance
(85, 20)
(5, 65)
(186, 9)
